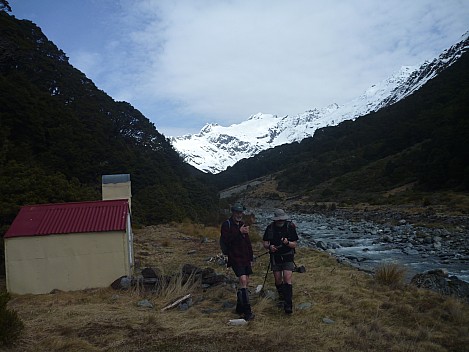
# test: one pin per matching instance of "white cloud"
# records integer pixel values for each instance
(87, 61)
(184, 63)
(227, 60)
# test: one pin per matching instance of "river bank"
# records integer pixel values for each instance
(366, 237)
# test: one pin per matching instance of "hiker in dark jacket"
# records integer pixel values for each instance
(280, 238)
(236, 244)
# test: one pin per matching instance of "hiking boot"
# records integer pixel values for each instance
(249, 316)
(280, 292)
(288, 292)
(239, 309)
(239, 303)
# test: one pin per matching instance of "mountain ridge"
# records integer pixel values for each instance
(417, 146)
(215, 147)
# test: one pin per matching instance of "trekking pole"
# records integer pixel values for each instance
(269, 251)
(261, 287)
(262, 254)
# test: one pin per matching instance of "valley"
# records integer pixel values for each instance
(420, 237)
(337, 307)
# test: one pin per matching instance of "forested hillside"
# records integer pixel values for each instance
(59, 134)
(420, 141)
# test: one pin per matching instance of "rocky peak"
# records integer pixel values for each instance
(217, 147)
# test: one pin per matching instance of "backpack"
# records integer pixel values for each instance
(271, 235)
(223, 245)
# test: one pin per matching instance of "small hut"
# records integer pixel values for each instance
(68, 246)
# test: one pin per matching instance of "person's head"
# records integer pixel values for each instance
(279, 217)
(237, 211)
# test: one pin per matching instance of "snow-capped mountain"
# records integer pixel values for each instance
(216, 147)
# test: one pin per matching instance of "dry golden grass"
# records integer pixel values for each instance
(390, 274)
(367, 316)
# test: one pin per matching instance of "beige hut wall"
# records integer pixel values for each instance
(66, 262)
(111, 191)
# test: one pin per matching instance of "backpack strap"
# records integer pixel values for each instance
(223, 245)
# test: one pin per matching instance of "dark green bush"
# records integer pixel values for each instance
(10, 324)
(426, 202)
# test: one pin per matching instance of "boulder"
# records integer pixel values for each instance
(438, 281)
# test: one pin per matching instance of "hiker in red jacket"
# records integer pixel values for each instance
(236, 244)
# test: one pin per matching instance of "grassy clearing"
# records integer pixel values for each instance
(366, 315)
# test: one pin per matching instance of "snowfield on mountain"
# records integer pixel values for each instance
(217, 147)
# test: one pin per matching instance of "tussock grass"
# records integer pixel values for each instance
(178, 287)
(390, 274)
(10, 324)
(197, 230)
(367, 316)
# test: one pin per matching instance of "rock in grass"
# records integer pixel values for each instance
(328, 320)
(305, 305)
(145, 304)
(237, 322)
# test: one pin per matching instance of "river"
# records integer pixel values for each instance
(366, 245)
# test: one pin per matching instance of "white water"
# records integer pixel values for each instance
(363, 241)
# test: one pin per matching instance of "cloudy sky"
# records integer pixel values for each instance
(185, 63)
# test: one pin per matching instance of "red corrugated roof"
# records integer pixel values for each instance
(48, 219)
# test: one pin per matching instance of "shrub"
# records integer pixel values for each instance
(390, 274)
(426, 202)
(327, 192)
(273, 196)
(10, 324)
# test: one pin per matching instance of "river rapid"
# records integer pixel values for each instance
(366, 244)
